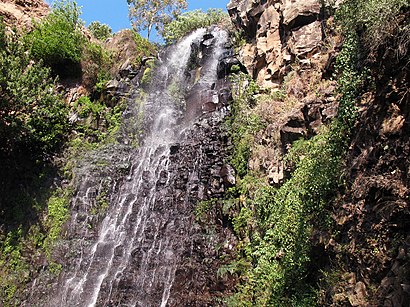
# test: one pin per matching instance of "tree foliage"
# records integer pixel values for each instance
(100, 30)
(144, 14)
(193, 20)
(95, 65)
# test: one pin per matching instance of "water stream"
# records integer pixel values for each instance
(134, 257)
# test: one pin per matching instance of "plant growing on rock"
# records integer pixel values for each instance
(95, 65)
(376, 21)
(32, 114)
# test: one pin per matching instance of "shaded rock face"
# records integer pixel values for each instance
(277, 32)
(373, 214)
(133, 239)
(22, 12)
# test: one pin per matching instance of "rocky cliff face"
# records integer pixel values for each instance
(277, 34)
(22, 12)
(290, 52)
(289, 47)
(373, 213)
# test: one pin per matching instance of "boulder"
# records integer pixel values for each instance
(306, 39)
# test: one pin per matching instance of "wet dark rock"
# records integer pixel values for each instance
(128, 72)
(226, 64)
(228, 175)
(174, 149)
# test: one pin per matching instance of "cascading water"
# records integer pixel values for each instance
(133, 259)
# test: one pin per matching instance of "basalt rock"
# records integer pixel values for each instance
(284, 52)
(276, 32)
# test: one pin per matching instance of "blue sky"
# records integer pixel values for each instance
(115, 12)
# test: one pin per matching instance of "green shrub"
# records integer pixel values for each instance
(98, 122)
(191, 21)
(57, 215)
(32, 114)
(243, 123)
(148, 73)
(100, 30)
(57, 40)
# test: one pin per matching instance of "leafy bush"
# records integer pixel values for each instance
(100, 30)
(57, 40)
(57, 215)
(191, 21)
(32, 114)
(243, 123)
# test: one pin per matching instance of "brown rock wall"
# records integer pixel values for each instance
(21, 13)
(276, 32)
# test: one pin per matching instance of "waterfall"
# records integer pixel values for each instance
(133, 259)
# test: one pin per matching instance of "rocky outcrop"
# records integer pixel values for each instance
(277, 33)
(286, 55)
(21, 13)
(125, 51)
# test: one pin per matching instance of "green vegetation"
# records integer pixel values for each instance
(192, 20)
(377, 23)
(57, 40)
(24, 245)
(57, 215)
(144, 48)
(32, 114)
(97, 123)
(276, 261)
(145, 14)
(243, 123)
(147, 75)
(100, 30)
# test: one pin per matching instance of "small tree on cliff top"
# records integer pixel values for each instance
(144, 14)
